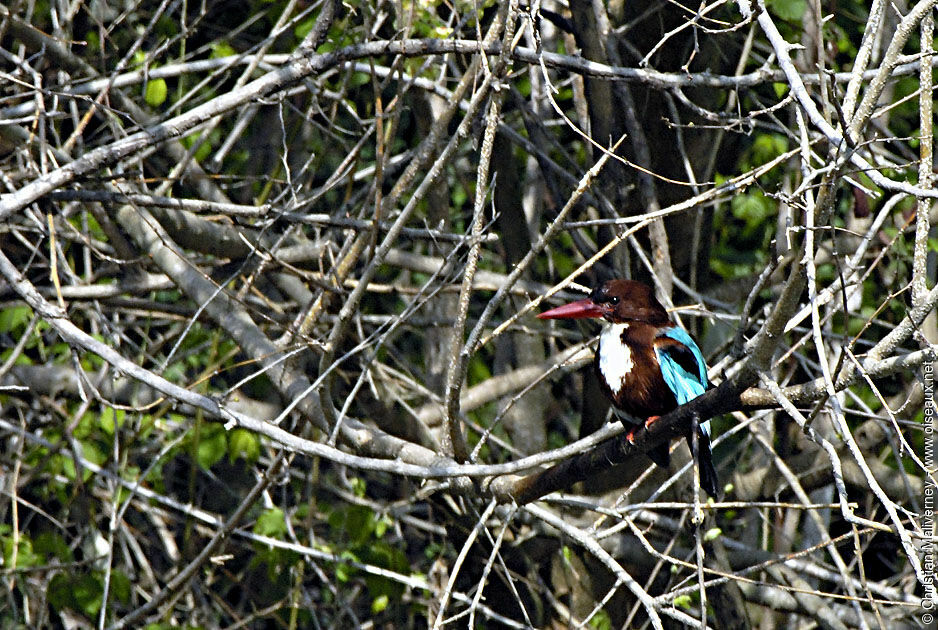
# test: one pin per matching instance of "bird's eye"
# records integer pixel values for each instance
(614, 300)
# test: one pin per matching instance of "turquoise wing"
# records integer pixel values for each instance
(682, 364)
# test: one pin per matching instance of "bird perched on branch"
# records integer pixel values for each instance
(646, 365)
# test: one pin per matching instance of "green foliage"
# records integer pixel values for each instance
(683, 601)
(352, 515)
(601, 621)
(428, 21)
(88, 223)
(243, 443)
(568, 556)
(22, 549)
(479, 370)
(563, 262)
(753, 209)
(84, 592)
(379, 603)
(356, 523)
(433, 550)
(765, 148)
(360, 532)
(206, 145)
(155, 92)
(111, 419)
(51, 545)
(904, 116)
(458, 195)
(712, 534)
(211, 444)
(221, 49)
(271, 523)
(92, 41)
(791, 10)
(742, 237)
(13, 320)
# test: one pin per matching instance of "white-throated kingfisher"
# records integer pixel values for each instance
(646, 365)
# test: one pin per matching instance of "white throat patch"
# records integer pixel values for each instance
(615, 358)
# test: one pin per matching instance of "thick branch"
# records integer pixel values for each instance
(618, 450)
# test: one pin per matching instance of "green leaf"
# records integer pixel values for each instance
(52, 544)
(243, 443)
(753, 208)
(25, 556)
(303, 28)
(379, 603)
(111, 418)
(201, 153)
(767, 147)
(359, 523)
(21, 359)
(567, 555)
(93, 41)
(66, 465)
(59, 592)
(433, 550)
(174, 372)
(155, 92)
(221, 49)
(601, 621)
(93, 452)
(682, 601)
(272, 523)
(790, 10)
(458, 195)
(15, 318)
(712, 534)
(382, 525)
(478, 370)
(81, 593)
(213, 444)
(87, 592)
(120, 586)
(343, 571)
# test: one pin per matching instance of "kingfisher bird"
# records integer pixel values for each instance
(646, 365)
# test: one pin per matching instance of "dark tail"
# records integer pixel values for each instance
(708, 473)
(661, 455)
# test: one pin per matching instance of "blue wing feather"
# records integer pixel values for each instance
(685, 372)
(686, 385)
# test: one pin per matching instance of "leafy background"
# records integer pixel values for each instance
(113, 489)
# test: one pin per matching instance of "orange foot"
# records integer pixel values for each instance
(631, 434)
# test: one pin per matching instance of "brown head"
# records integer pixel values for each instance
(617, 301)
